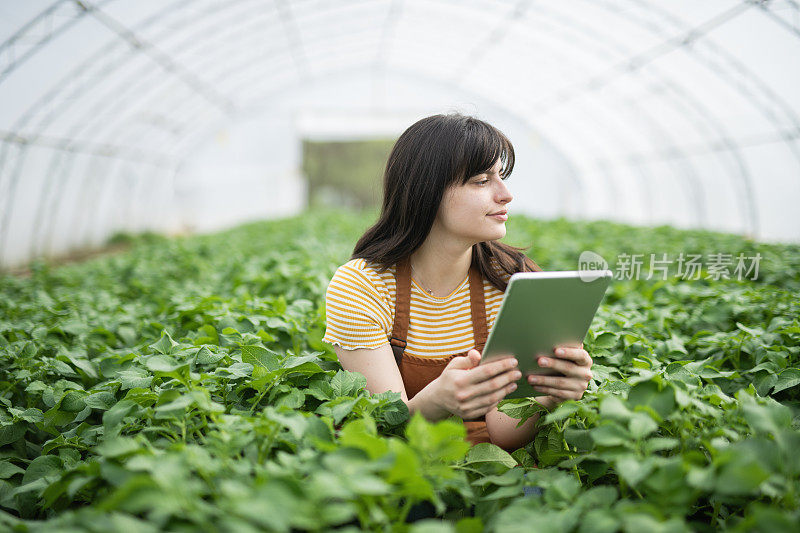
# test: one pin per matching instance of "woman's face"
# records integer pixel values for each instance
(477, 210)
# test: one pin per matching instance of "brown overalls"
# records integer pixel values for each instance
(417, 372)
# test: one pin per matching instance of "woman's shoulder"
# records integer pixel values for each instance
(366, 273)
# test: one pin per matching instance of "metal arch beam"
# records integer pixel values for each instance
(9, 60)
(694, 194)
(15, 178)
(683, 98)
(85, 207)
(748, 84)
(635, 62)
(132, 40)
(795, 29)
(190, 79)
(49, 96)
(96, 79)
(61, 144)
(745, 77)
(494, 39)
(61, 147)
(365, 67)
(745, 198)
(80, 72)
(392, 16)
(121, 102)
(496, 36)
(293, 37)
(600, 165)
(52, 190)
(172, 29)
(690, 188)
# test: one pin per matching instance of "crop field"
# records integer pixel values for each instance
(182, 385)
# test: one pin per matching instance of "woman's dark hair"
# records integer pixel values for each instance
(432, 154)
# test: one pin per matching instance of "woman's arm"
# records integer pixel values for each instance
(378, 365)
(463, 389)
(503, 429)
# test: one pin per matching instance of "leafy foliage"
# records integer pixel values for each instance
(184, 385)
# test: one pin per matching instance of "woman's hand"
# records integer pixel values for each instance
(470, 391)
(574, 363)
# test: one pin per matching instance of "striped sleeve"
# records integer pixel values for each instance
(357, 316)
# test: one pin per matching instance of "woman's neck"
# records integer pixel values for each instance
(440, 265)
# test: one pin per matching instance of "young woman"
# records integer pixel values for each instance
(412, 308)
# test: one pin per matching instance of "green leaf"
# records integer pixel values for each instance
(134, 378)
(42, 466)
(657, 444)
(165, 345)
(12, 433)
(612, 407)
(740, 477)
(346, 383)
(72, 402)
(611, 434)
(641, 425)
(31, 414)
(599, 521)
(100, 400)
(605, 340)
(259, 356)
(647, 394)
(469, 525)
(633, 469)
(179, 404)
(117, 447)
(489, 453)
(9, 469)
(205, 356)
(161, 363)
(787, 379)
(562, 412)
(114, 416)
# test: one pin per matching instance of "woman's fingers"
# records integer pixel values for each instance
(577, 355)
(488, 371)
(497, 383)
(567, 368)
(560, 393)
(558, 382)
(486, 401)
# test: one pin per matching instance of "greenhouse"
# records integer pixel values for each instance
(242, 245)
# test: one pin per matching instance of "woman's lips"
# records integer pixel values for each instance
(499, 216)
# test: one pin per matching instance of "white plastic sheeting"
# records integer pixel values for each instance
(188, 114)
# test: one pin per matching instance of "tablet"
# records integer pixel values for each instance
(539, 311)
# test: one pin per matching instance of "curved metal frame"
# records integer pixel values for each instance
(727, 68)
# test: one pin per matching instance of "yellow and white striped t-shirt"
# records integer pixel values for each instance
(360, 312)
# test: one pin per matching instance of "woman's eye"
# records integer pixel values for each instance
(482, 182)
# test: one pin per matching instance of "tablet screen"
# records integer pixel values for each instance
(539, 311)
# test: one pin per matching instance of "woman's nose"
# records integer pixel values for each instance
(503, 195)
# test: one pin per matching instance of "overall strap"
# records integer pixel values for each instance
(402, 308)
(477, 309)
(402, 305)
